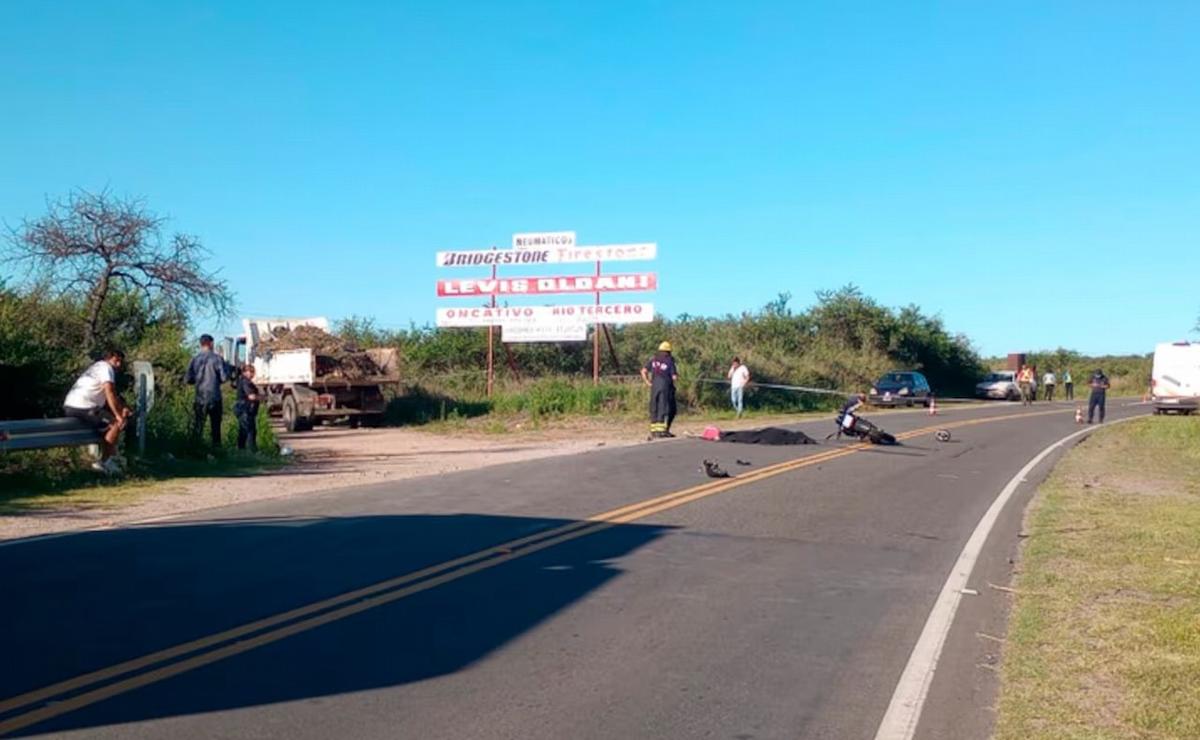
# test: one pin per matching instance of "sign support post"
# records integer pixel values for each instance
(491, 361)
(596, 339)
(612, 351)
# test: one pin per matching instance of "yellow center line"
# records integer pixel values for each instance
(338, 607)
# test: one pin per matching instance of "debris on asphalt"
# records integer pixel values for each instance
(969, 592)
(943, 435)
(743, 462)
(712, 470)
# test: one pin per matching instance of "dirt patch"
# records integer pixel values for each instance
(326, 458)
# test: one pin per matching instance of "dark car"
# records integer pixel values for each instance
(902, 387)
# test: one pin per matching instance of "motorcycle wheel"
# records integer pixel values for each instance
(881, 438)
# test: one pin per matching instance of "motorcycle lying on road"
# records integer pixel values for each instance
(863, 429)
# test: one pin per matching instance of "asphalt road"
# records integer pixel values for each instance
(538, 600)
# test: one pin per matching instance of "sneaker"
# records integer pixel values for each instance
(99, 467)
(112, 467)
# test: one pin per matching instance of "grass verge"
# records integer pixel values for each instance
(56, 479)
(1104, 638)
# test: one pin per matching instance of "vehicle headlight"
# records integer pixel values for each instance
(874, 392)
(904, 391)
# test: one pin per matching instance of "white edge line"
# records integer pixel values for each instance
(904, 712)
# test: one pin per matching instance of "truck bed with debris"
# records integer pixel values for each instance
(312, 375)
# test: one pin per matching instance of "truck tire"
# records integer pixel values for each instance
(291, 415)
(355, 422)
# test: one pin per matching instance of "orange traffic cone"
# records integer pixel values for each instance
(932, 406)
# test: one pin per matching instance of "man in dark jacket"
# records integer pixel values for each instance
(246, 410)
(1096, 401)
(660, 374)
(207, 372)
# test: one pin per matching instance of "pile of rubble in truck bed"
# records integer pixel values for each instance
(336, 358)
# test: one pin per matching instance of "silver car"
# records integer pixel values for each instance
(1001, 384)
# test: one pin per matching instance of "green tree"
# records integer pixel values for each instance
(93, 248)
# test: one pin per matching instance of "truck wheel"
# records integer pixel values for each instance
(355, 422)
(291, 415)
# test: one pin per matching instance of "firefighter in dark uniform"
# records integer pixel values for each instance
(660, 374)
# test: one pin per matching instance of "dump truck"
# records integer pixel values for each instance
(309, 376)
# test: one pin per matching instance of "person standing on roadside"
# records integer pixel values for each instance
(739, 377)
(1048, 381)
(1025, 383)
(207, 371)
(246, 410)
(1068, 385)
(660, 374)
(93, 399)
(1096, 401)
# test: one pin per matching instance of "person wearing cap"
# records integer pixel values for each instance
(660, 374)
(1096, 401)
(246, 409)
(207, 372)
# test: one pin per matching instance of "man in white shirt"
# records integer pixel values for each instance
(94, 400)
(1048, 381)
(739, 377)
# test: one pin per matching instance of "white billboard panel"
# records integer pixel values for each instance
(541, 239)
(588, 313)
(558, 331)
(547, 255)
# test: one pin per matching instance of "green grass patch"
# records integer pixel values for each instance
(1104, 639)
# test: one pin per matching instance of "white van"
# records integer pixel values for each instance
(1175, 383)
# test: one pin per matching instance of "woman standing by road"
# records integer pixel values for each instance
(660, 374)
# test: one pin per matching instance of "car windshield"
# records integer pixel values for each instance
(896, 378)
(997, 377)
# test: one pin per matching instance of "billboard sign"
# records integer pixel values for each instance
(556, 331)
(546, 256)
(588, 313)
(542, 239)
(458, 287)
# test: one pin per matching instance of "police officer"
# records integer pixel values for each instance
(207, 371)
(246, 410)
(660, 374)
(1099, 386)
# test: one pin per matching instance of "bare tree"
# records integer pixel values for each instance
(92, 245)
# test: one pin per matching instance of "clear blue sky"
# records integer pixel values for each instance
(1028, 170)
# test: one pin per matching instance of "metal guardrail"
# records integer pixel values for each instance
(40, 434)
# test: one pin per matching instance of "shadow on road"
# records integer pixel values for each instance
(85, 602)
